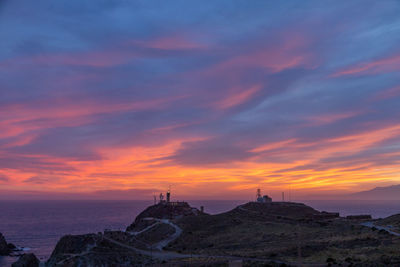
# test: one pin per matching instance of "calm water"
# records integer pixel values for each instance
(38, 225)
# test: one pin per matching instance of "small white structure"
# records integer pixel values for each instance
(267, 199)
(262, 199)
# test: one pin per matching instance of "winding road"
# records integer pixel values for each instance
(167, 255)
(388, 229)
(163, 243)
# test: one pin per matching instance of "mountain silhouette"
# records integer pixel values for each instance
(379, 193)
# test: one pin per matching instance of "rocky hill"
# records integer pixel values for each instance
(258, 234)
(162, 211)
(152, 230)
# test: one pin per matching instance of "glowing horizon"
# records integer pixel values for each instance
(212, 99)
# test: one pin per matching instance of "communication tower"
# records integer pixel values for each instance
(168, 195)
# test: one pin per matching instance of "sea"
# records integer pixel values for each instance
(38, 225)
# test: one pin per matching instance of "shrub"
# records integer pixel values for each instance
(330, 260)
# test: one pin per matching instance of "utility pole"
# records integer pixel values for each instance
(191, 248)
(151, 254)
(299, 262)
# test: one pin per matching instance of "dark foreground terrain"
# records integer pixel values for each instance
(256, 234)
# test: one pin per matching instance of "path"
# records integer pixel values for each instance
(144, 230)
(160, 254)
(163, 255)
(388, 229)
(163, 243)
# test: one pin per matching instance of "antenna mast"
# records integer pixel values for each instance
(169, 194)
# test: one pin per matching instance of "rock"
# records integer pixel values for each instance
(75, 244)
(27, 260)
(4, 249)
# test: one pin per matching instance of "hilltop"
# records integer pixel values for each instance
(162, 211)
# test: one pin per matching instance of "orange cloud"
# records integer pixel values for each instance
(144, 167)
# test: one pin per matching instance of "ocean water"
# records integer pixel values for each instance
(38, 225)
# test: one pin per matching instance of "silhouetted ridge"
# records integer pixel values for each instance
(164, 210)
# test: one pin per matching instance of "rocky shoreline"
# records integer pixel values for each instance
(255, 234)
(24, 260)
(5, 248)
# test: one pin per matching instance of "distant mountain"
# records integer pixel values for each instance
(379, 193)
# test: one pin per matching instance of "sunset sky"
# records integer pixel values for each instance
(212, 98)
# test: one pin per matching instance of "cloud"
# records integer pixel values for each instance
(3, 178)
(96, 195)
(35, 164)
(208, 97)
(40, 180)
(212, 151)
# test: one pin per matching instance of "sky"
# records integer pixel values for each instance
(210, 98)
